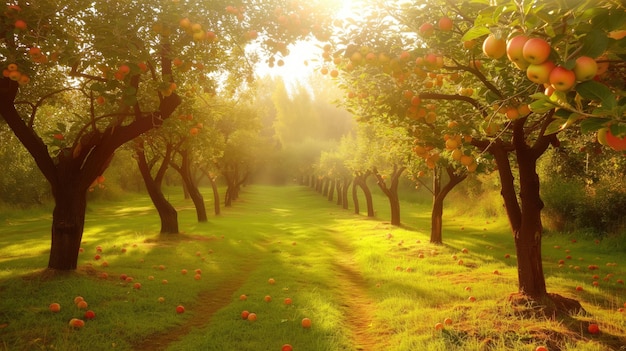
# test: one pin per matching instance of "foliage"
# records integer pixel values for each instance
(21, 183)
(584, 194)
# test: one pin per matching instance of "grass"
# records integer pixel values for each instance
(366, 285)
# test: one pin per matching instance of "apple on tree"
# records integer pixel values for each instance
(494, 47)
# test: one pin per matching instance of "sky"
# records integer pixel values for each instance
(302, 61)
(304, 57)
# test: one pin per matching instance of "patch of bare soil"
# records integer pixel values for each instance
(553, 306)
(570, 313)
(208, 302)
(359, 308)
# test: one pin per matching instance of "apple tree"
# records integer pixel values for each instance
(112, 75)
(511, 75)
(379, 92)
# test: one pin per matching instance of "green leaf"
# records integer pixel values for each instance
(541, 106)
(569, 64)
(594, 43)
(560, 124)
(475, 32)
(592, 124)
(129, 91)
(99, 87)
(129, 100)
(542, 103)
(555, 126)
(596, 91)
(618, 129)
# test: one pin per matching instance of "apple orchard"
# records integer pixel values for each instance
(481, 86)
(488, 86)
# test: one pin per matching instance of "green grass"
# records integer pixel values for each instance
(365, 284)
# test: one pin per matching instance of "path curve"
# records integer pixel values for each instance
(358, 307)
(208, 303)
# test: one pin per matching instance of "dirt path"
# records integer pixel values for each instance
(209, 302)
(359, 308)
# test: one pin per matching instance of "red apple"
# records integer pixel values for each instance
(77, 323)
(445, 24)
(426, 30)
(494, 47)
(615, 142)
(540, 73)
(306, 323)
(21, 25)
(180, 309)
(252, 317)
(245, 314)
(55, 307)
(585, 68)
(536, 51)
(593, 328)
(562, 79)
(286, 347)
(514, 51)
(90, 314)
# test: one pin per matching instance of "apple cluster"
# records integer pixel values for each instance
(196, 31)
(12, 72)
(533, 56)
(12, 12)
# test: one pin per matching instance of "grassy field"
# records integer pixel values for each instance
(365, 285)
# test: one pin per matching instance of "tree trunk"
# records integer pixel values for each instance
(339, 189)
(391, 192)
(185, 191)
(216, 195)
(325, 186)
(331, 190)
(167, 212)
(355, 196)
(229, 176)
(362, 182)
(190, 185)
(439, 195)
(68, 220)
(528, 237)
(344, 192)
(525, 220)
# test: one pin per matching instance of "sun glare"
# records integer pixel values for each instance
(304, 56)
